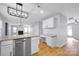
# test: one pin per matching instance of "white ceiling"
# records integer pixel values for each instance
(68, 9)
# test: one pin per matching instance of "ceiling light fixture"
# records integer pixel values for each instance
(18, 12)
(41, 11)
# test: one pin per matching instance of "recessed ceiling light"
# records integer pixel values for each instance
(41, 11)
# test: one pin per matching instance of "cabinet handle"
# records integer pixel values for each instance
(10, 53)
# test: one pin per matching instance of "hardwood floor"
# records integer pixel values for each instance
(70, 49)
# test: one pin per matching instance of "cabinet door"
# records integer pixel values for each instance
(6, 50)
(34, 45)
(27, 47)
(48, 23)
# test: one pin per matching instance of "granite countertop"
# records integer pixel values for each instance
(16, 37)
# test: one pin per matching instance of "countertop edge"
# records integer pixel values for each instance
(16, 38)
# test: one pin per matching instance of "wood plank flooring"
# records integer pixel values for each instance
(70, 49)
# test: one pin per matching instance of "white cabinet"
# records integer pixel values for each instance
(34, 45)
(6, 48)
(17, 47)
(48, 23)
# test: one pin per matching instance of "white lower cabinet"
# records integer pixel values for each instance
(6, 48)
(34, 45)
(17, 47)
(51, 41)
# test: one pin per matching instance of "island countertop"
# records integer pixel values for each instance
(48, 35)
(17, 37)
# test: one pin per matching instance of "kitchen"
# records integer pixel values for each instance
(24, 25)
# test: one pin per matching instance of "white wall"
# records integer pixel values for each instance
(4, 20)
(35, 29)
(0, 28)
(3, 31)
(62, 30)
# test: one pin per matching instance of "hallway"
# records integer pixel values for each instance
(70, 49)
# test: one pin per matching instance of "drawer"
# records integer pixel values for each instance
(7, 42)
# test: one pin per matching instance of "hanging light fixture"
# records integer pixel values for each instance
(18, 12)
(38, 6)
(20, 28)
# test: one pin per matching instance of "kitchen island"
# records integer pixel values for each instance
(19, 45)
(53, 41)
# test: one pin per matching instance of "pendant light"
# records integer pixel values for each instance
(18, 12)
(20, 28)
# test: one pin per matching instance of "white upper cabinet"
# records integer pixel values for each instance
(48, 23)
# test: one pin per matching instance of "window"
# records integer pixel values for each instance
(14, 29)
(69, 30)
(27, 30)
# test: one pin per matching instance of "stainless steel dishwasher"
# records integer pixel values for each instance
(19, 47)
(22, 47)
